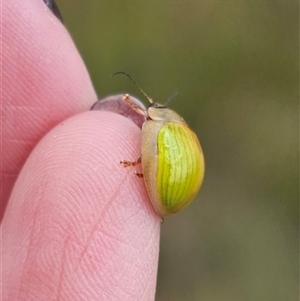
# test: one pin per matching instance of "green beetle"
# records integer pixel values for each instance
(171, 157)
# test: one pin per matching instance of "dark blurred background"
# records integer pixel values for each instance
(235, 66)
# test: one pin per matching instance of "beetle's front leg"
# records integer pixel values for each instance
(126, 163)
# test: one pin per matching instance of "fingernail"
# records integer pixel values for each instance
(117, 104)
(53, 7)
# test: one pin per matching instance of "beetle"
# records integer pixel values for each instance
(171, 157)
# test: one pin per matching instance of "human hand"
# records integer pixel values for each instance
(77, 226)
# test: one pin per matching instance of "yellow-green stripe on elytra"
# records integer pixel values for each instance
(180, 166)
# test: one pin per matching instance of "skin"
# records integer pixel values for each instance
(77, 226)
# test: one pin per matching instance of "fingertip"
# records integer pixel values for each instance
(97, 212)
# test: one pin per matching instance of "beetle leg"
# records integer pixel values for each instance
(139, 175)
(126, 163)
(134, 106)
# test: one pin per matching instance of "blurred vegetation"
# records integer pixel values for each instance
(235, 65)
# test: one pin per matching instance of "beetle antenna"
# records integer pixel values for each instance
(172, 97)
(126, 74)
